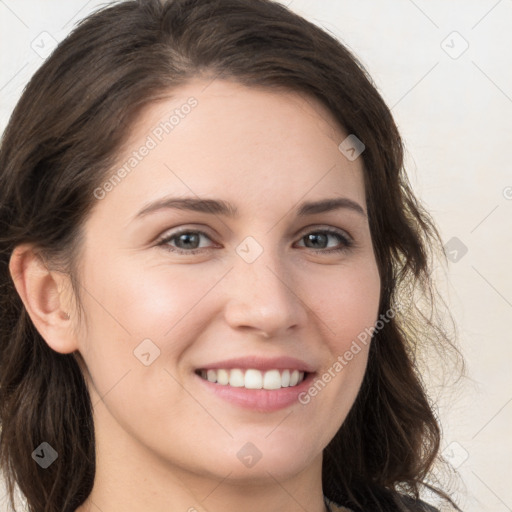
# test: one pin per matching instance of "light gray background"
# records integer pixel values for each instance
(453, 106)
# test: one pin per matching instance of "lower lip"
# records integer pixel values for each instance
(262, 400)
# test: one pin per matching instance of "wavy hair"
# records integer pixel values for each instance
(62, 139)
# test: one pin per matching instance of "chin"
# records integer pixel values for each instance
(278, 455)
(278, 466)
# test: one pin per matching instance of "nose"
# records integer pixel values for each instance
(262, 297)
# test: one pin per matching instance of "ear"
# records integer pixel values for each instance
(45, 296)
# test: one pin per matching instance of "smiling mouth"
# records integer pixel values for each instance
(252, 378)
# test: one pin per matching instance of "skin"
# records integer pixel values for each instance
(163, 442)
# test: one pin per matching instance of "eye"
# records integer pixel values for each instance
(321, 237)
(189, 241)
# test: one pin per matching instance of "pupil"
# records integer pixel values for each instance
(314, 238)
(187, 237)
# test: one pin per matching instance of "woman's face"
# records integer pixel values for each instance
(261, 282)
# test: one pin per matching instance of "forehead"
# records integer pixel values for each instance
(256, 146)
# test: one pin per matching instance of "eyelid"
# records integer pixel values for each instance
(348, 241)
(326, 227)
(185, 228)
(306, 229)
(169, 235)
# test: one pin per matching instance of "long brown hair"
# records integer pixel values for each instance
(63, 137)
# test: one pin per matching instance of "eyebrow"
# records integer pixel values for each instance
(220, 207)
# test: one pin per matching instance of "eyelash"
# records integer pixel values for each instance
(347, 243)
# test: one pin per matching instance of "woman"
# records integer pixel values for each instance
(208, 248)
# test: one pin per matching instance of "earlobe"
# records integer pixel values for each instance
(41, 291)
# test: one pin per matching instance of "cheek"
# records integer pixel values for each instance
(126, 304)
(129, 300)
(346, 303)
(133, 303)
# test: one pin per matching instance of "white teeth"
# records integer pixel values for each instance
(285, 379)
(254, 379)
(236, 378)
(222, 377)
(294, 378)
(272, 380)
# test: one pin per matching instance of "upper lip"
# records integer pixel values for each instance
(261, 363)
